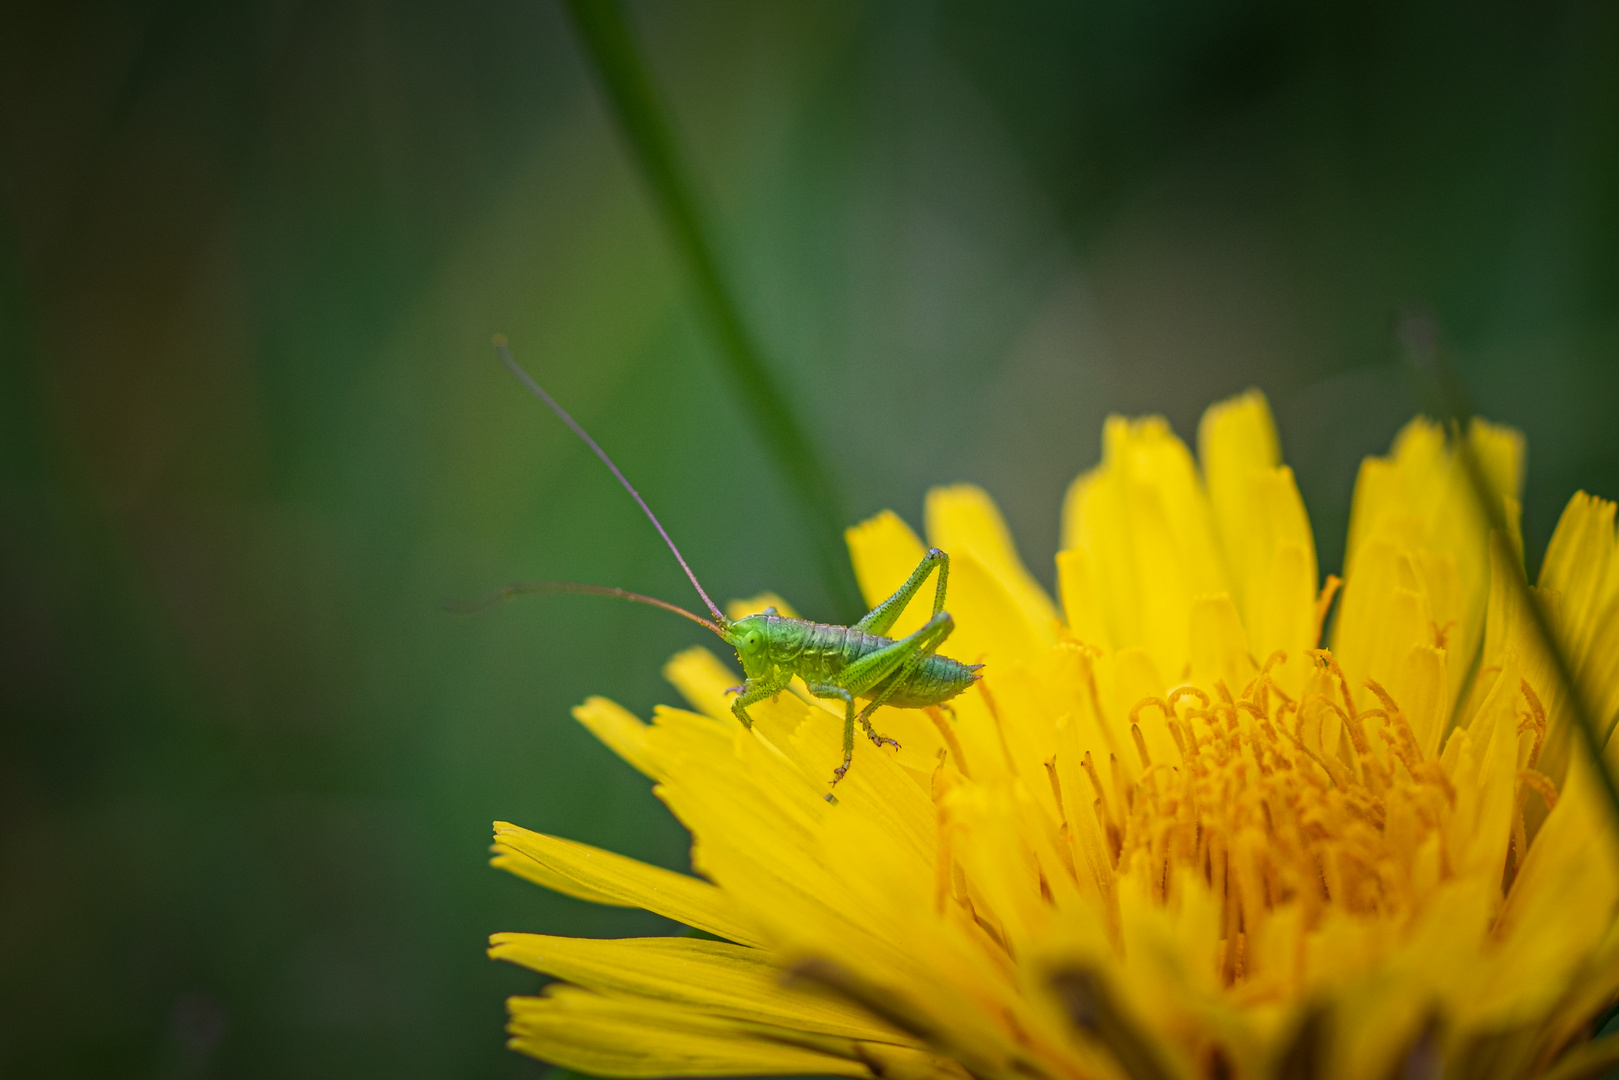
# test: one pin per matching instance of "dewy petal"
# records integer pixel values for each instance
(601, 1035)
(604, 877)
(711, 977)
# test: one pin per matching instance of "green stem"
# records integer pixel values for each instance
(612, 50)
(1420, 337)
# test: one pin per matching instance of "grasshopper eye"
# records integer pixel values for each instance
(752, 641)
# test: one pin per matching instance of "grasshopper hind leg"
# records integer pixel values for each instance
(864, 719)
(832, 692)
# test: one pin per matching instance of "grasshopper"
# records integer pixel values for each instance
(839, 663)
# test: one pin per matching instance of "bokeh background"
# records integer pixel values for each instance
(252, 433)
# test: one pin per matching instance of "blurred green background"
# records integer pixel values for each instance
(252, 433)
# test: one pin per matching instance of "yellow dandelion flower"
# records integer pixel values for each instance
(1169, 834)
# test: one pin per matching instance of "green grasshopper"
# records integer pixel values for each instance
(839, 663)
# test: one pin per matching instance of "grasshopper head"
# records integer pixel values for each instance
(750, 637)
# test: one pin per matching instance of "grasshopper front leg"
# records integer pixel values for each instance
(753, 691)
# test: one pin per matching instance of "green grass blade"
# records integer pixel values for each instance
(1420, 338)
(612, 50)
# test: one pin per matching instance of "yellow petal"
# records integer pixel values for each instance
(676, 737)
(542, 875)
(1579, 566)
(621, 730)
(998, 608)
(1416, 509)
(1560, 907)
(1511, 637)
(755, 815)
(990, 623)
(703, 680)
(1144, 518)
(1081, 599)
(1095, 522)
(1480, 843)
(1134, 678)
(712, 977)
(753, 605)
(612, 1036)
(1219, 647)
(604, 877)
(1422, 689)
(964, 520)
(1386, 614)
(1235, 440)
(1166, 581)
(1280, 575)
(1500, 452)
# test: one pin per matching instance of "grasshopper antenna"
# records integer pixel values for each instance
(505, 354)
(521, 588)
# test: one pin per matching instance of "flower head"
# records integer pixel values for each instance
(1169, 834)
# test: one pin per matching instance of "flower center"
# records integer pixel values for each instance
(1311, 806)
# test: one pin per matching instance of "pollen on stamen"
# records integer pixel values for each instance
(1270, 811)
